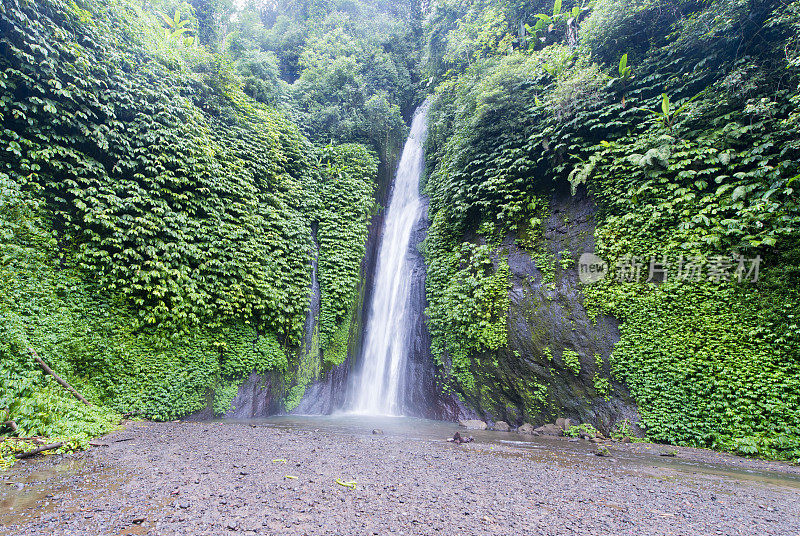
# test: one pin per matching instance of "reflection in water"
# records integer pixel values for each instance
(25, 495)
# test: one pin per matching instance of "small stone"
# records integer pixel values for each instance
(549, 430)
(501, 426)
(473, 424)
(184, 504)
(377, 431)
(603, 451)
(527, 429)
(563, 423)
(137, 520)
(231, 525)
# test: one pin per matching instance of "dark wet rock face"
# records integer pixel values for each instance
(254, 399)
(537, 378)
(326, 395)
(425, 395)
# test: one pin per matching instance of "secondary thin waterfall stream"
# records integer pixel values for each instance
(378, 388)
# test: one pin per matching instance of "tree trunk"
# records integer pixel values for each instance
(58, 378)
(34, 452)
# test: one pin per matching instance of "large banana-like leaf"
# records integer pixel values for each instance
(166, 19)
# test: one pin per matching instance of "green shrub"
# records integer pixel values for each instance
(581, 430)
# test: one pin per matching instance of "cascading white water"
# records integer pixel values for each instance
(377, 390)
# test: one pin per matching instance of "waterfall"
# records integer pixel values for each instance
(378, 389)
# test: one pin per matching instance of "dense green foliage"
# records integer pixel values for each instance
(157, 222)
(170, 170)
(344, 70)
(144, 188)
(680, 118)
(347, 200)
(469, 303)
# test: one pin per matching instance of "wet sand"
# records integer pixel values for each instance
(235, 478)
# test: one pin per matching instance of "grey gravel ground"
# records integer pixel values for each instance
(222, 479)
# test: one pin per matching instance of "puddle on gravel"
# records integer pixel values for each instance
(27, 495)
(637, 461)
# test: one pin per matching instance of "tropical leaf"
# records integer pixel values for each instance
(166, 19)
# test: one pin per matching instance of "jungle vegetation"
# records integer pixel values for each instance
(169, 169)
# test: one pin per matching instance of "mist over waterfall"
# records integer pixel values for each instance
(378, 388)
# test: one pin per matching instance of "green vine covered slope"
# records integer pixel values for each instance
(680, 120)
(170, 177)
(157, 222)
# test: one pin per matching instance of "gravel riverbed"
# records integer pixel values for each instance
(243, 478)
